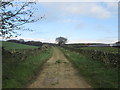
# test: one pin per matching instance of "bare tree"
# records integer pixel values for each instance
(13, 15)
(61, 40)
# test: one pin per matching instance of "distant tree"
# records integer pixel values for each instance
(61, 40)
(13, 15)
(21, 40)
(13, 40)
(118, 42)
(34, 43)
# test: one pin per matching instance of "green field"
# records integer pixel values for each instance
(104, 49)
(20, 67)
(11, 45)
(95, 72)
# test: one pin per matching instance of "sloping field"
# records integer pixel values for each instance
(22, 65)
(11, 45)
(104, 49)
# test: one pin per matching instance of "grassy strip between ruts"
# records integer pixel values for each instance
(25, 71)
(96, 73)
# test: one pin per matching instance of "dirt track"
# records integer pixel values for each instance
(58, 73)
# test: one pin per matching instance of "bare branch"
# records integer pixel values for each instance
(13, 19)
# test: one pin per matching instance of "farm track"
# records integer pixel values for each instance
(58, 72)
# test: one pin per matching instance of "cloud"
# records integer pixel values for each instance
(112, 5)
(49, 40)
(69, 0)
(101, 40)
(109, 39)
(28, 39)
(100, 12)
(88, 9)
(76, 9)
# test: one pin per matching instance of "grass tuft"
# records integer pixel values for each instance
(58, 61)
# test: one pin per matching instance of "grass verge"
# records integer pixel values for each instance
(17, 75)
(96, 73)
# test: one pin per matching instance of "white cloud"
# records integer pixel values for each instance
(28, 39)
(102, 40)
(100, 12)
(68, 0)
(112, 5)
(90, 10)
(77, 9)
(81, 41)
(49, 40)
(109, 39)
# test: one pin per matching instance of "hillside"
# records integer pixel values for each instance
(21, 63)
(103, 49)
(11, 45)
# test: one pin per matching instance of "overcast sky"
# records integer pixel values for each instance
(79, 22)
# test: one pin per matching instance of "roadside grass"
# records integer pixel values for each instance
(104, 49)
(18, 75)
(11, 45)
(96, 73)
